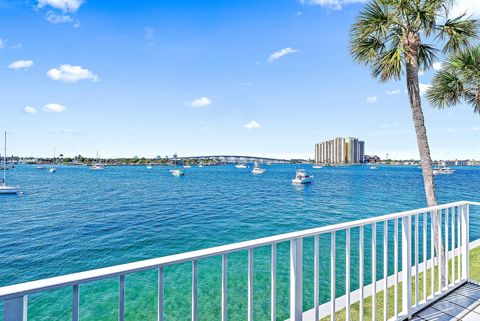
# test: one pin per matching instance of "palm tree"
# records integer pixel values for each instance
(389, 37)
(458, 81)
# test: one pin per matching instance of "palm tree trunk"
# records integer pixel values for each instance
(425, 158)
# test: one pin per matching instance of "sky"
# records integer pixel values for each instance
(204, 77)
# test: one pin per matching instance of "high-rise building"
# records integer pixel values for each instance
(340, 150)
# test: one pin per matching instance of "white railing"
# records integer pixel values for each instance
(454, 235)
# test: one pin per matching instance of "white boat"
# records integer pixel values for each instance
(373, 167)
(98, 166)
(444, 170)
(302, 177)
(149, 167)
(317, 166)
(187, 166)
(53, 169)
(177, 172)
(257, 170)
(4, 189)
(40, 167)
(200, 165)
(241, 166)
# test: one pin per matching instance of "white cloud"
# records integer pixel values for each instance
(252, 125)
(281, 53)
(471, 7)
(29, 110)
(332, 4)
(69, 73)
(393, 92)
(58, 19)
(372, 99)
(64, 5)
(199, 102)
(54, 108)
(437, 65)
(424, 88)
(21, 64)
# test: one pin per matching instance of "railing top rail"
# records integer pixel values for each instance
(21, 289)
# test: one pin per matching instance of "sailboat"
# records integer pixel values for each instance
(98, 165)
(53, 169)
(4, 189)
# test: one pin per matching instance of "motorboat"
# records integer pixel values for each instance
(444, 170)
(241, 166)
(4, 189)
(373, 167)
(41, 167)
(257, 170)
(177, 172)
(149, 166)
(302, 177)
(316, 166)
(97, 167)
(187, 166)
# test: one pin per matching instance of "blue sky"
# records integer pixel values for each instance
(147, 78)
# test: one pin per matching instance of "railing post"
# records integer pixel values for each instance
(465, 241)
(296, 279)
(15, 309)
(407, 265)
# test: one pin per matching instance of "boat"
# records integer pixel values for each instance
(302, 177)
(53, 169)
(373, 167)
(177, 172)
(444, 170)
(241, 166)
(316, 166)
(257, 170)
(98, 166)
(149, 167)
(187, 166)
(4, 189)
(200, 165)
(41, 167)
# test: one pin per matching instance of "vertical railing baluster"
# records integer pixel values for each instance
(347, 275)
(332, 276)
(407, 265)
(121, 299)
(416, 261)
(439, 256)
(76, 303)
(361, 272)
(15, 309)
(459, 242)
(374, 271)
(195, 290)
(454, 251)
(224, 287)
(447, 262)
(250, 285)
(432, 255)
(316, 276)
(273, 293)
(465, 242)
(395, 267)
(296, 279)
(385, 270)
(425, 257)
(161, 294)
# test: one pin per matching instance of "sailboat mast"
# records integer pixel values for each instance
(5, 162)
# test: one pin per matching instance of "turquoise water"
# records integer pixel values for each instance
(78, 219)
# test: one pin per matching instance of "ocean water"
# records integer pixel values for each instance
(78, 219)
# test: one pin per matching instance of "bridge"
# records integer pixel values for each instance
(241, 159)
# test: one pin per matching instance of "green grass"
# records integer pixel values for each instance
(354, 308)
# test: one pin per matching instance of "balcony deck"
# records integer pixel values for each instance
(461, 304)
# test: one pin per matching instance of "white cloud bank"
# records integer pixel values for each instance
(281, 53)
(29, 110)
(54, 108)
(199, 102)
(332, 4)
(372, 99)
(252, 125)
(58, 19)
(21, 64)
(70, 74)
(64, 5)
(470, 7)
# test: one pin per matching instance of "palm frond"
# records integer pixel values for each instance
(447, 90)
(458, 33)
(426, 56)
(389, 65)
